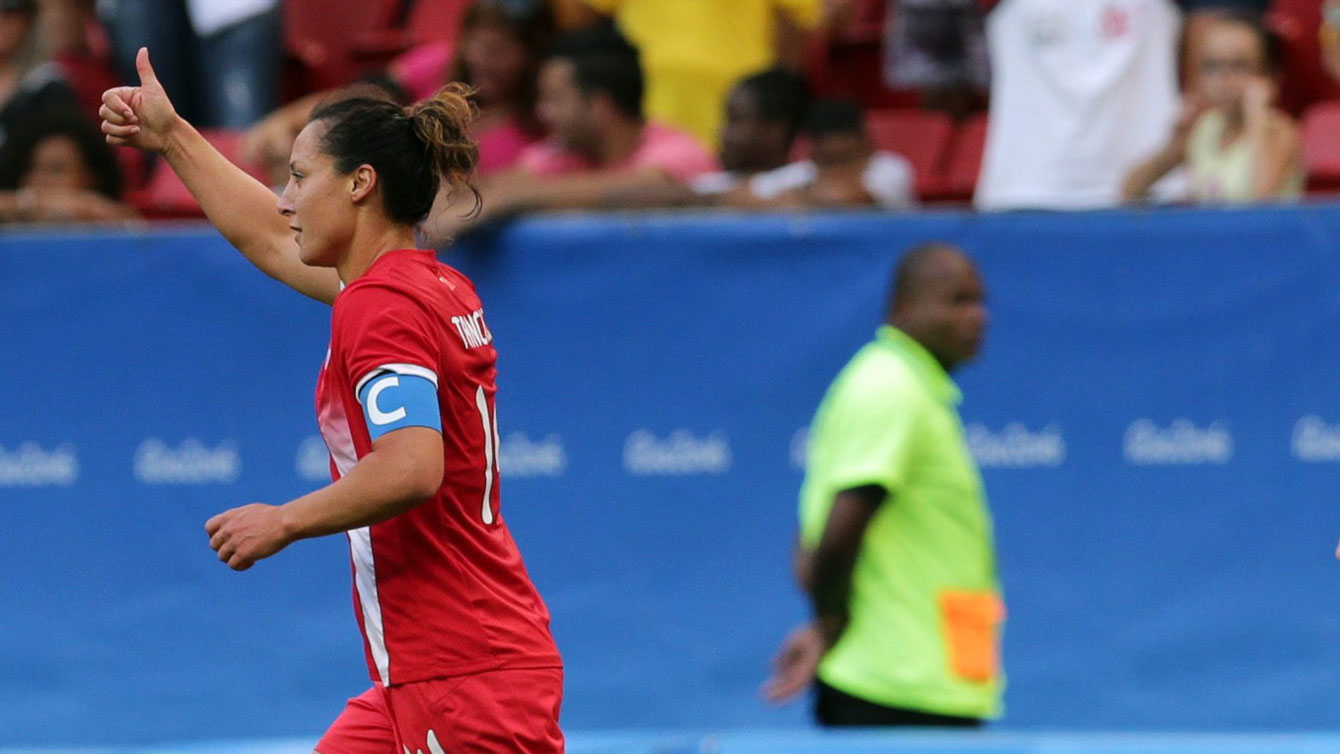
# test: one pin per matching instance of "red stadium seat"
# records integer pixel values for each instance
(323, 42)
(1321, 145)
(921, 136)
(1304, 79)
(965, 160)
(166, 197)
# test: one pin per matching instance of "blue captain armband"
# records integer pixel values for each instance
(393, 400)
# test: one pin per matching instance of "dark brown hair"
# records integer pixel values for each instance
(413, 150)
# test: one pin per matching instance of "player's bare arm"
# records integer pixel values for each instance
(403, 470)
(242, 209)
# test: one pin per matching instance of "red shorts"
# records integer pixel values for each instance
(497, 711)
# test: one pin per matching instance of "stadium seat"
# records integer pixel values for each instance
(166, 197)
(89, 76)
(323, 43)
(921, 136)
(848, 61)
(1321, 146)
(965, 160)
(1303, 78)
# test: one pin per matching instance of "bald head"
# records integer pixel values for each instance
(938, 300)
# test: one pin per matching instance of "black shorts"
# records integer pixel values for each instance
(836, 709)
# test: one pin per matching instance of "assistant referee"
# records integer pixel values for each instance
(896, 550)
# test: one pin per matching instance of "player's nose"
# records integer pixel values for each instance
(285, 204)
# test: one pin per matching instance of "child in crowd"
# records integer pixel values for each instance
(1237, 147)
(843, 170)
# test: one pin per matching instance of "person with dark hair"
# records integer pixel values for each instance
(896, 552)
(763, 116)
(27, 84)
(694, 51)
(591, 90)
(600, 144)
(764, 113)
(497, 55)
(456, 637)
(1236, 145)
(1199, 16)
(55, 167)
(843, 169)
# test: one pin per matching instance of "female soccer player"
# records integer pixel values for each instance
(457, 639)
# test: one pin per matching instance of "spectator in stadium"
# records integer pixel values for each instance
(600, 144)
(55, 167)
(895, 549)
(764, 113)
(221, 56)
(939, 48)
(843, 170)
(500, 48)
(693, 51)
(1200, 16)
(1236, 145)
(1330, 37)
(27, 84)
(1081, 92)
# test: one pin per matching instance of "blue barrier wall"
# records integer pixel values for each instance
(1156, 411)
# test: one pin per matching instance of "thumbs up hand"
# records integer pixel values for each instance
(139, 116)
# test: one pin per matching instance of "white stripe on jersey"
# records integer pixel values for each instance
(340, 442)
(365, 579)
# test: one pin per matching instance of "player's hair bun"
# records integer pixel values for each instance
(442, 123)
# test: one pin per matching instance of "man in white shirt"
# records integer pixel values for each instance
(1081, 91)
(219, 59)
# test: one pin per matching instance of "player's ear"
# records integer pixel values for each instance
(362, 182)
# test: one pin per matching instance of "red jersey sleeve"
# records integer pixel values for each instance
(381, 328)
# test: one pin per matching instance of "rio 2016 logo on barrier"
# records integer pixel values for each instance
(1016, 447)
(681, 453)
(1315, 441)
(520, 457)
(313, 460)
(1181, 443)
(29, 465)
(190, 462)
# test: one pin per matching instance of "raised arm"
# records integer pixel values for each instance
(239, 206)
(1141, 179)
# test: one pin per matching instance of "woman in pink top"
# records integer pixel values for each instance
(498, 55)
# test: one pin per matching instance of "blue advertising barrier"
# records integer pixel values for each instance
(1156, 413)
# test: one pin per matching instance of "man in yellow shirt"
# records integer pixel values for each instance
(896, 545)
(693, 51)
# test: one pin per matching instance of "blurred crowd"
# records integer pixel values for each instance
(746, 104)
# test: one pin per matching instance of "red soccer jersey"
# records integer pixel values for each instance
(439, 590)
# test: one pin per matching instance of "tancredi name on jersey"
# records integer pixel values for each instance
(474, 333)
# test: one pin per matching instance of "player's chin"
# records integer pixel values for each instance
(311, 253)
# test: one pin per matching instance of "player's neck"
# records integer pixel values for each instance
(367, 246)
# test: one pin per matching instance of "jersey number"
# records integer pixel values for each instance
(490, 451)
